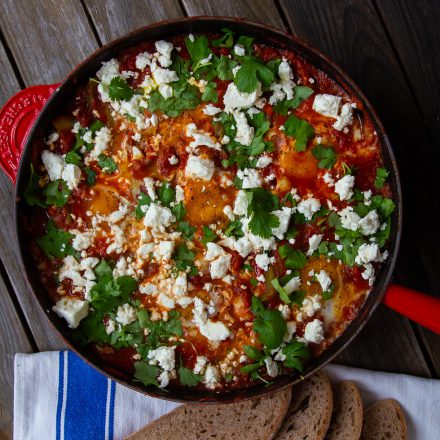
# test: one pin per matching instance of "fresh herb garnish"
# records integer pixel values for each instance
(188, 377)
(57, 193)
(381, 177)
(107, 164)
(56, 242)
(294, 259)
(119, 90)
(261, 204)
(300, 94)
(144, 200)
(146, 373)
(184, 259)
(301, 130)
(325, 155)
(284, 296)
(208, 235)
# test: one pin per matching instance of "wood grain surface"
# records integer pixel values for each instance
(391, 49)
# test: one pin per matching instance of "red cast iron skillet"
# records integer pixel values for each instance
(25, 118)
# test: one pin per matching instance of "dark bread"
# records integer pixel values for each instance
(384, 420)
(310, 410)
(256, 419)
(346, 421)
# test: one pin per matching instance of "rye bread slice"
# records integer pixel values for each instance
(346, 421)
(310, 410)
(256, 419)
(384, 420)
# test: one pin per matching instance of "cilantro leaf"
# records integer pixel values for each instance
(56, 242)
(184, 259)
(296, 354)
(261, 204)
(146, 373)
(198, 49)
(257, 307)
(226, 40)
(235, 229)
(210, 93)
(119, 90)
(73, 157)
(90, 176)
(253, 352)
(224, 68)
(294, 259)
(144, 200)
(381, 176)
(270, 328)
(251, 72)
(107, 164)
(284, 296)
(32, 192)
(249, 368)
(57, 193)
(208, 235)
(300, 94)
(325, 155)
(301, 130)
(188, 377)
(179, 211)
(186, 229)
(166, 194)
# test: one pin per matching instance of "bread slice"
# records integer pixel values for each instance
(384, 420)
(346, 421)
(256, 419)
(310, 410)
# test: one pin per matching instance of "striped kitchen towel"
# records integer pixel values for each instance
(57, 396)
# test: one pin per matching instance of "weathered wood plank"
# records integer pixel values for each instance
(264, 11)
(351, 33)
(13, 339)
(115, 18)
(413, 28)
(47, 37)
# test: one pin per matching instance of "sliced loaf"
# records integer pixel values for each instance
(384, 420)
(346, 421)
(256, 419)
(310, 410)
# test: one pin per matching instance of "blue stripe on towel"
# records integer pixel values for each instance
(60, 393)
(112, 410)
(86, 402)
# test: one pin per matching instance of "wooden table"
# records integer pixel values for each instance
(392, 50)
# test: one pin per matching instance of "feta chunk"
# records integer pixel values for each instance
(292, 285)
(250, 178)
(345, 117)
(241, 203)
(214, 331)
(126, 314)
(164, 76)
(212, 377)
(72, 310)
(263, 261)
(308, 207)
(102, 140)
(271, 367)
(200, 138)
(81, 241)
(245, 133)
(173, 160)
(368, 253)
(164, 250)
(263, 161)
(211, 110)
(220, 266)
(369, 224)
(344, 187)
(284, 218)
(239, 50)
(233, 98)
(158, 217)
(327, 105)
(201, 361)
(314, 332)
(198, 168)
(349, 219)
(324, 280)
(54, 164)
(314, 242)
(143, 60)
(164, 356)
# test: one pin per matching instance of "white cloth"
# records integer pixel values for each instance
(419, 398)
(59, 397)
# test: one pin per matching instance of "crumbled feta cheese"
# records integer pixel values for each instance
(164, 379)
(173, 160)
(137, 154)
(349, 219)
(211, 110)
(165, 301)
(164, 356)
(292, 285)
(369, 224)
(284, 217)
(164, 250)
(239, 50)
(212, 377)
(344, 187)
(368, 253)
(81, 241)
(311, 305)
(250, 177)
(158, 217)
(324, 280)
(108, 71)
(227, 210)
(241, 203)
(166, 91)
(102, 140)
(164, 76)
(110, 327)
(263, 161)
(308, 207)
(72, 310)
(53, 163)
(368, 274)
(180, 194)
(233, 98)
(314, 242)
(200, 138)
(71, 175)
(214, 331)
(213, 251)
(201, 361)
(283, 308)
(126, 314)
(263, 261)
(53, 137)
(199, 168)
(149, 186)
(328, 179)
(245, 133)
(327, 105)
(147, 289)
(143, 60)
(271, 367)
(314, 332)
(144, 251)
(220, 266)
(345, 117)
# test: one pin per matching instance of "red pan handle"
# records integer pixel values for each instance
(417, 306)
(16, 119)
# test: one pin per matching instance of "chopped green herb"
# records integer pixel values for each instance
(226, 40)
(261, 204)
(144, 200)
(284, 296)
(294, 259)
(107, 164)
(166, 194)
(90, 176)
(325, 155)
(301, 130)
(32, 192)
(146, 373)
(119, 90)
(184, 259)
(57, 193)
(381, 177)
(208, 235)
(188, 377)
(186, 229)
(297, 353)
(300, 94)
(56, 242)
(210, 94)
